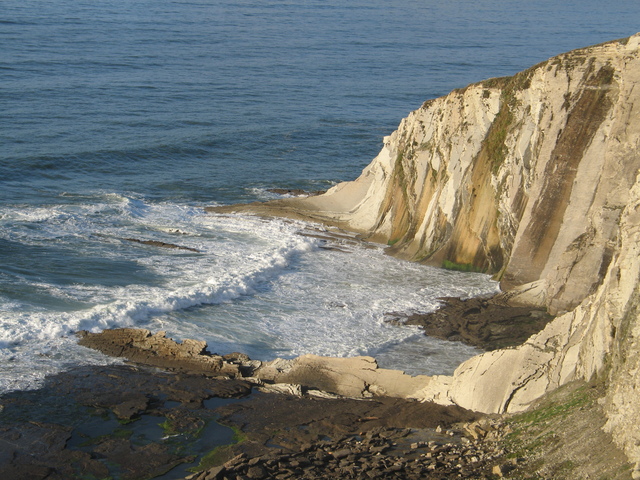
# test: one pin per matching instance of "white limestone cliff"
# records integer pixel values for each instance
(533, 178)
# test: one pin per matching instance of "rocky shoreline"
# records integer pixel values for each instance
(177, 409)
(532, 178)
(131, 422)
(377, 454)
(179, 412)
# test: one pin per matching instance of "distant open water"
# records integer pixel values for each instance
(122, 119)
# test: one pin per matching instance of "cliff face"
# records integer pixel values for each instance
(533, 178)
(525, 177)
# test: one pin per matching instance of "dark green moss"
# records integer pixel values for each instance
(494, 143)
(461, 267)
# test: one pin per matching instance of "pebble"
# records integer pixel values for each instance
(355, 457)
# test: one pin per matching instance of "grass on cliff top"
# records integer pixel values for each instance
(561, 437)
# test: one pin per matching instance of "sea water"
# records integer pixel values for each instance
(122, 120)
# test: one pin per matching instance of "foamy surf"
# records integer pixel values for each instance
(269, 288)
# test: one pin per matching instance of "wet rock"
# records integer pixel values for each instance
(482, 322)
(37, 450)
(93, 414)
(156, 243)
(295, 192)
(131, 407)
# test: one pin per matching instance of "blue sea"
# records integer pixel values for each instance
(123, 119)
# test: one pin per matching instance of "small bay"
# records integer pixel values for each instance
(123, 120)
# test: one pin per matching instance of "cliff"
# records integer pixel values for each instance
(534, 179)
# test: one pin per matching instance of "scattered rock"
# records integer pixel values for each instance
(352, 457)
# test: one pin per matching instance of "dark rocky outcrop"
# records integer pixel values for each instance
(135, 422)
(481, 322)
(157, 243)
(105, 422)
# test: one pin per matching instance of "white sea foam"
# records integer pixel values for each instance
(256, 286)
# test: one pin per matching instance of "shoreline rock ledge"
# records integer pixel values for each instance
(532, 178)
(357, 377)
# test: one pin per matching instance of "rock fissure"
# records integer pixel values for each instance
(520, 385)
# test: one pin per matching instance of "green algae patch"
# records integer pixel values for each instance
(168, 428)
(221, 453)
(461, 267)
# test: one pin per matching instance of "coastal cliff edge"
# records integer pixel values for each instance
(534, 179)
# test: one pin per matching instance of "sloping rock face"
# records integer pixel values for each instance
(533, 178)
(598, 339)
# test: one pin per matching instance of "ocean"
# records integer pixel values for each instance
(122, 120)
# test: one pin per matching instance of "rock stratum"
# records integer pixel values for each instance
(534, 179)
